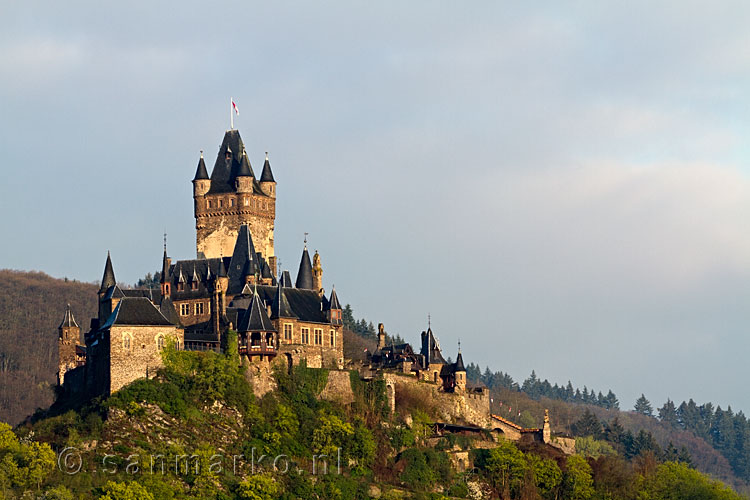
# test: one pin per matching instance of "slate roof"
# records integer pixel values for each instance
(245, 169)
(108, 279)
(68, 319)
(244, 261)
(225, 171)
(136, 311)
(286, 280)
(280, 307)
(255, 318)
(333, 302)
(431, 348)
(458, 366)
(201, 173)
(167, 309)
(304, 274)
(303, 304)
(266, 175)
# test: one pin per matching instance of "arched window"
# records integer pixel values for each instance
(160, 342)
(126, 341)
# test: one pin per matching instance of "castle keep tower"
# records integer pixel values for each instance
(233, 196)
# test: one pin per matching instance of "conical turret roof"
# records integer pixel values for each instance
(267, 175)
(108, 279)
(201, 173)
(304, 274)
(459, 365)
(334, 303)
(245, 169)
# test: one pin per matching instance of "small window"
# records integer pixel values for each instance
(208, 204)
(221, 203)
(180, 287)
(333, 338)
(305, 335)
(318, 336)
(287, 331)
(231, 202)
(246, 202)
(198, 308)
(126, 342)
(194, 285)
(184, 309)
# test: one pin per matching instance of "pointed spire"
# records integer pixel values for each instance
(333, 302)
(459, 365)
(280, 307)
(304, 274)
(165, 263)
(244, 260)
(108, 279)
(245, 168)
(201, 173)
(222, 268)
(267, 175)
(194, 278)
(68, 319)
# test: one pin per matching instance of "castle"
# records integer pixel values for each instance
(233, 285)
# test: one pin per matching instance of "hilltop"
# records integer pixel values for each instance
(394, 455)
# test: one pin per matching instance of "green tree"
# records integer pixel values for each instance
(259, 487)
(643, 406)
(546, 475)
(331, 434)
(577, 481)
(594, 448)
(125, 491)
(505, 467)
(675, 481)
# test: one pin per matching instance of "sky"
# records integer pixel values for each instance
(563, 187)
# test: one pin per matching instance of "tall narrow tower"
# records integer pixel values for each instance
(233, 196)
(68, 337)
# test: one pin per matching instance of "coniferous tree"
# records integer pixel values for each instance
(643, 406)
(588, 425)
(668, 413)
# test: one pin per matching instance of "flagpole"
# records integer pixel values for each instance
(231, 114)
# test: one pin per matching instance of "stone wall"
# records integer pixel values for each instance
(142, 358)
(339, 387)
(453, 407)
(317, 356)
(217, 227)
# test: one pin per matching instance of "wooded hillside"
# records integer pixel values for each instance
(32, 305)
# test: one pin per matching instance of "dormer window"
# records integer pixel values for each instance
(194, 285)
(208, 204)
(180, 287)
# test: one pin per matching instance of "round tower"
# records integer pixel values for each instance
(201, 181)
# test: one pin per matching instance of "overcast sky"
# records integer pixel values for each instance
(565, 188)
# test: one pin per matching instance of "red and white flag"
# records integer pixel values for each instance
(235, 108)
